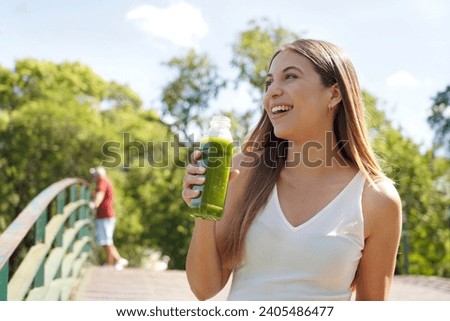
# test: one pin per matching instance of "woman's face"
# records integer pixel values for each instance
(296, 100)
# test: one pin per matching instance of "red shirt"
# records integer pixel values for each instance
(106, 207)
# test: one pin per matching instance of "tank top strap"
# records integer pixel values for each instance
(360, 181)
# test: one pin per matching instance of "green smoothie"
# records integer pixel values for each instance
(217, 153)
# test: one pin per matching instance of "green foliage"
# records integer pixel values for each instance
(186, 97)
(49, 128)
(59, 83)
(58, 120)
(253, 50)
(160, 210)
(151, 213)
(42, 143)
(56, 128)
(7, 85)
(423, 184)
(439, 119)
(120, 96)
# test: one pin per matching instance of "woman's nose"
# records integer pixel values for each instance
(274, 90)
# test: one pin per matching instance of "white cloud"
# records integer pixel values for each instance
(179, 23)
(402, 79)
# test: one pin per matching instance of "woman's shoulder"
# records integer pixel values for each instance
(381, 203)
(382, 192)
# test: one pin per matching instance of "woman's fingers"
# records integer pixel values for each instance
(191, 169)
(191, 180)
(188, 194)
(233, 174)
(195, 156)
(193, 177)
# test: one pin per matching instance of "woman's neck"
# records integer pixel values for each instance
(316, 156)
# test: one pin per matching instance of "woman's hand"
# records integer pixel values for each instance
(192, 178)
(204, 269)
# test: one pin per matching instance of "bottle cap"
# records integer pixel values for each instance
(221, 121)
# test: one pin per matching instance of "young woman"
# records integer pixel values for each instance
(309, 214)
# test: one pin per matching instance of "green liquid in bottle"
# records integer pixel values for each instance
(217, 153)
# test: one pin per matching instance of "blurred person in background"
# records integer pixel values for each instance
(105, 218)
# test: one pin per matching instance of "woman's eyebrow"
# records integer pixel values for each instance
(286, 69)
(293, 67)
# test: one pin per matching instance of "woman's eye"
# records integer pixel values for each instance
(291, 76)
(268, 82)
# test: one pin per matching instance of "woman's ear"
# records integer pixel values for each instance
(336, 96)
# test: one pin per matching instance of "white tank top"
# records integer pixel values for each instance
(316, 260)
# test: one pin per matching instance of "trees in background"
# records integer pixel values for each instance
(422, 181)
(186, 97)
(439, 119)
(58, 120)
(254, 48)
(148, 179)
(49, 120)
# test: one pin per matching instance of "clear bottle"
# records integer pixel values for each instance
(217, 152)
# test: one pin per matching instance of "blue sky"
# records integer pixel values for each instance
(400, 48)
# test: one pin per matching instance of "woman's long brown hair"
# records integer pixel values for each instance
(350, 130)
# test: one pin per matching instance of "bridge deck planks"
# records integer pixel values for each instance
(107, 284)
(130, 284)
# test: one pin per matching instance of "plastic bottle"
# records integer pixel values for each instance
(217, 151)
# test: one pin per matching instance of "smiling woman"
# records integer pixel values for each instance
(313, 231)
(294, 82)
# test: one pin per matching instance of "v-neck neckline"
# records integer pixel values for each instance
(320, 212)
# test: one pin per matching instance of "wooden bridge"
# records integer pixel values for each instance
(107, 284)
(133, 284)
(57, 231)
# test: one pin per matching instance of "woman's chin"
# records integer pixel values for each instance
(281, 133)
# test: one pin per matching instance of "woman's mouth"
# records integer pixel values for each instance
(281, 109)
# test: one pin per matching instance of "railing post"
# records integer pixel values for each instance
(39, 233)
(39, 237)
(73, 215)
(73, 198)
(60, 203)
(85, 210)
(86, 196)
(89, 212)
(4, 282)
(81, 210)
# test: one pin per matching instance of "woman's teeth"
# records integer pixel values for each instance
(281, 109)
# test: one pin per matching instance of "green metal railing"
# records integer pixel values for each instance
(63, 244)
